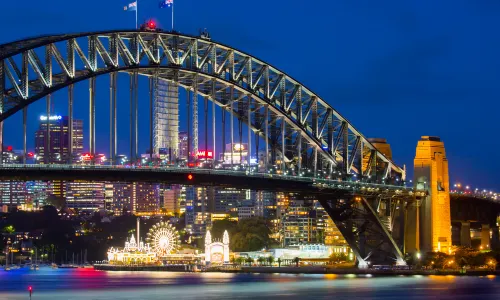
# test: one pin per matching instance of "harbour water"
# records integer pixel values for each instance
(56, 284)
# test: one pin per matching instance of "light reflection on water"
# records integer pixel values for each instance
(91, 284)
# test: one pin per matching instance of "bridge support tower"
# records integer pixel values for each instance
(465, 239)
(432, 228)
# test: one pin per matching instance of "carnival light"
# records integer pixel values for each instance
(163, 238)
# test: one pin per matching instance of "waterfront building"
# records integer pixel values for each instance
(297, 226)
(333, 236)
(316, 252)
(133, 253)
(216, 251)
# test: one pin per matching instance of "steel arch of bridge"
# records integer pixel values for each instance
(301, 124)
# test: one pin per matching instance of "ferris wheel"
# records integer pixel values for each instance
(163, 239)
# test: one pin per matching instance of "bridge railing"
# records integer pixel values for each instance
(318, 182)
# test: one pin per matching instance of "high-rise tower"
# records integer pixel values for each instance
(166, 119)
(433, 215)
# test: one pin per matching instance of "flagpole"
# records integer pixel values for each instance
(172, 16)
(136, 11)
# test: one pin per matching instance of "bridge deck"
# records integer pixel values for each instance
(202, 177)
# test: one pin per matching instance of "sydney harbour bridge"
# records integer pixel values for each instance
(308, 147)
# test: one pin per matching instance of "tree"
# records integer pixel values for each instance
(436, 260)
(270, 260)
(250, 234)
(491, 262)
(9, 229)
(279, 262)
(261, 260)
(219, 226)
(57, 202)
(249, 261)
(240, 260)
(338, 257)
(296, 261)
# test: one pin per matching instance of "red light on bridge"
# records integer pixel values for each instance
(151, 25)
(9, 148)
(190, 177)
(31, 154)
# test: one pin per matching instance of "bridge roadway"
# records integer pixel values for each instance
(200, 177)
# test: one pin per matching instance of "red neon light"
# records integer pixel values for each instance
(205, 154)
(86, 156)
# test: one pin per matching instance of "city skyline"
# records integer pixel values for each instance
(342, 141)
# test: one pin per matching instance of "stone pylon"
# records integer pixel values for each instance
(430, 223)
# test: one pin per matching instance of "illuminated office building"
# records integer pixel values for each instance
(59, 139)
(37, 192)
(118, 197)
(85, 195)
(145, 198)
(172, 200)
(297, 226)
(13, 193)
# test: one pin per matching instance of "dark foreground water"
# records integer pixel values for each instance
(90, 284)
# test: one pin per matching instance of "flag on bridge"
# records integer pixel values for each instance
(131, 7)
(166, 3)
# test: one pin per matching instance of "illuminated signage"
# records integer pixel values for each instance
(86, 156)
(205, 154)
(239, 147)
(51, 118)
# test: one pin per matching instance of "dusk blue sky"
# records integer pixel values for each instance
(395, 69)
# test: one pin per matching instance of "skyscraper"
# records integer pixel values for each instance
(166, 120)
(183, 145)
(59, 139)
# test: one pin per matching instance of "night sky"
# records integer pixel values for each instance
(395, 69)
